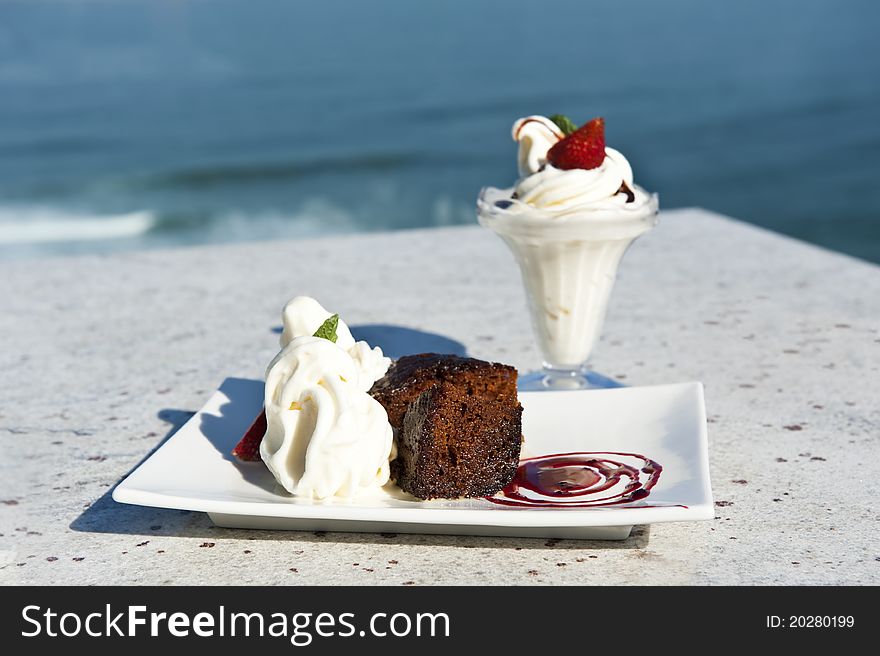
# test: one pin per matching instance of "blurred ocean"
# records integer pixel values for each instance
(142, 123)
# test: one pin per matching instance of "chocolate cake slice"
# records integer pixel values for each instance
(458, 424)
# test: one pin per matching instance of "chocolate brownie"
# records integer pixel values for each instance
(458, 424)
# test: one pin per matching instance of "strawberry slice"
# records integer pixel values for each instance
(248, 448)
(582, 149)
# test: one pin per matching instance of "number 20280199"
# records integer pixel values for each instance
(811, 622)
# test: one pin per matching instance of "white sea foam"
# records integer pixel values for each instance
(30, 225)
(32, 230)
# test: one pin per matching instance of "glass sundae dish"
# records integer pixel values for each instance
(568, 221)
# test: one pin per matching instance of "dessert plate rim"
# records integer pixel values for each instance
(222, 485)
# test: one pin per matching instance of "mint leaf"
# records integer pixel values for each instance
(327, 329)
(564, 123)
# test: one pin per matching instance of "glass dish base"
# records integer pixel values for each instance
(551, 380)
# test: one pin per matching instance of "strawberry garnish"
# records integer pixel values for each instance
(582, 149)
(248, 448)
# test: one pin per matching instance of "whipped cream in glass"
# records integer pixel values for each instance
(325, 436)
(568, 230)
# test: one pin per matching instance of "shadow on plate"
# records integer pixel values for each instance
(397, 341)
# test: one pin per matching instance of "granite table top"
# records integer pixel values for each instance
(103, 357)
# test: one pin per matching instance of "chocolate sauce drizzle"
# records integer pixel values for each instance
(580, 480)
(630, 194)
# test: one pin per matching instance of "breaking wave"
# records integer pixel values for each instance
(33, 225)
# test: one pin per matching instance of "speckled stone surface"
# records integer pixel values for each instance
(102, 357)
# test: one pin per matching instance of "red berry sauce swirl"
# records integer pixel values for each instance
(580, 480)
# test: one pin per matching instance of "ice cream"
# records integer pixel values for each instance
(568, 221)
(325, 436)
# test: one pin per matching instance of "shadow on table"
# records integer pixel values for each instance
(107, 516)
(222, 431)
(397, 341)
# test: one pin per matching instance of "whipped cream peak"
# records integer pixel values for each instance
(303, 315)
(535, 135)
(325, 435)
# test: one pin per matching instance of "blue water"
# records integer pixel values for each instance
(154, 123)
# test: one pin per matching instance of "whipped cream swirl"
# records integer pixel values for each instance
(574, 191)
(325, 436)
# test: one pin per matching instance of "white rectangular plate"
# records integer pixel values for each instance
(194, 470)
